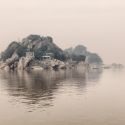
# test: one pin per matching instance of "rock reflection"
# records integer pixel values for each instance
(40, 87)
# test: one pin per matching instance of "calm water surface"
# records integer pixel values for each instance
(62, 98)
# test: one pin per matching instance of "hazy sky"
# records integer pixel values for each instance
(97, 24)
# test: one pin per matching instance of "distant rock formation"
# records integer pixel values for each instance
(93, 58)
(34, 47)
(80, 52)
(117, 66)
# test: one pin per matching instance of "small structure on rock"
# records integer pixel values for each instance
(30, 54)
(48, 56)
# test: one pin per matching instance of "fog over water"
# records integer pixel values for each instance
(97, 24)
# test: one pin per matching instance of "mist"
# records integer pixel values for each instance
(97, 24)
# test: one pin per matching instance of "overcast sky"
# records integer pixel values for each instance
(97, 24)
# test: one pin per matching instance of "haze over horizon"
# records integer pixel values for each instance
(97, 24)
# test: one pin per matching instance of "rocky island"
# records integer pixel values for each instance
(36, 52)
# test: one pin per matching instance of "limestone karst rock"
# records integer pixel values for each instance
(39, 45)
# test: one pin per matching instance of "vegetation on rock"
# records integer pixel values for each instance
(42, 45)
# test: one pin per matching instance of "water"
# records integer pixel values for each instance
(62, 98)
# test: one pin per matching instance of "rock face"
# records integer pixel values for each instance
(24, 63)
(14, 47)
(12, 60)
(10, 63)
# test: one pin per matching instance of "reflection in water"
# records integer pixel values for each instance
(71, 97)
(38, 88)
